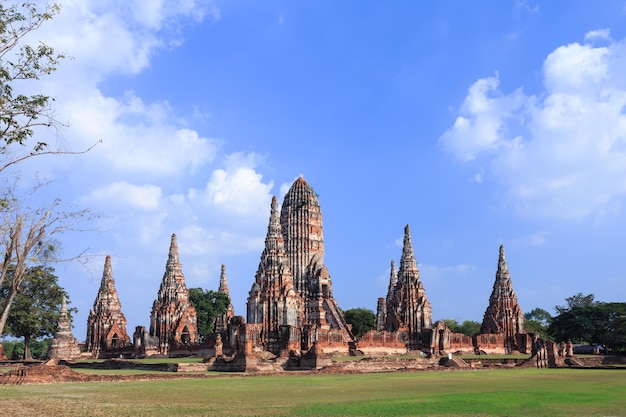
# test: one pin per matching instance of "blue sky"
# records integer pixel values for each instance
(477, 123)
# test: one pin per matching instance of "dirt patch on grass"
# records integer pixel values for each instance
(41, 374)
(52, 373)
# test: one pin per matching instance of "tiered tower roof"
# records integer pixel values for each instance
(173, 319)
(301, 224)
(503, 315)
(106, 324)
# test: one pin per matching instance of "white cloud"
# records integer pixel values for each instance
(141, 176)
(481, 125)
(561, 155)
(237, 189)
(537, 239)
(137, 137)
(436, 272)
(600, 34)
(120, 38)
(575, 68)
(124, 195)
(522, 5)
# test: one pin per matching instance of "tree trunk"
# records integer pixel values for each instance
(7, 309)
(28, 356)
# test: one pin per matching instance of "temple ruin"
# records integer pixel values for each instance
(173, 320)
(503, 318)
(301, 225)
(404, 317)
(64, 345)
(106, 324)
(291, 305)
(275, 308)
(292, 315)
(222, 322)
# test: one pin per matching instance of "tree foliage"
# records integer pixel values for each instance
(21, 114)
(209, 306)
(577, 300)
(362, 320)
(14, 349)
(468, 327)
(584, 320)
(36, 308)
(537, 321)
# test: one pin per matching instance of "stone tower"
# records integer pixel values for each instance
(408, 308)
(106, 324)
(381, 307)
(503, 315)
(301, 224)
(273, 302)
(64, 345)
(221, 322)
(173, 321)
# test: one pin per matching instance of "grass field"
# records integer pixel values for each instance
(523, 392)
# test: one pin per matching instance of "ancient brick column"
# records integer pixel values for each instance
(408, 307)
(173, 320)
(64, 345)
(106, 324)
(503, 315)
(274, 301)
(301, 224)
(221, 322)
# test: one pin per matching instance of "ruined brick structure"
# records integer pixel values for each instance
(291, 311)
(406, 308)
(292, 299)
(106, 324)
(404, 317)
(273, 303)
(503, 315)
(221, 322)
(301, 224)
(173, 322)
(64, 345)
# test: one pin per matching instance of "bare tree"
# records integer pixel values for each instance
(28, 234)
(28, 230)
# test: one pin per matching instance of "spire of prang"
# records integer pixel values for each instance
(223, 281)
(393, 276)
(408, 264)
(502, 266)
(173, 260)
(503, 314)
(107, 299)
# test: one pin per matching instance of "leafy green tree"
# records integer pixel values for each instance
(577, 300)
(468, 327)
(537, 321)
(36, 308)
(209, 306)
(21, 114)
(14, 349)
(598, 322)
(362, 320)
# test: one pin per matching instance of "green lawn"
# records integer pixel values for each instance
(519, 392)
(151, 360)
